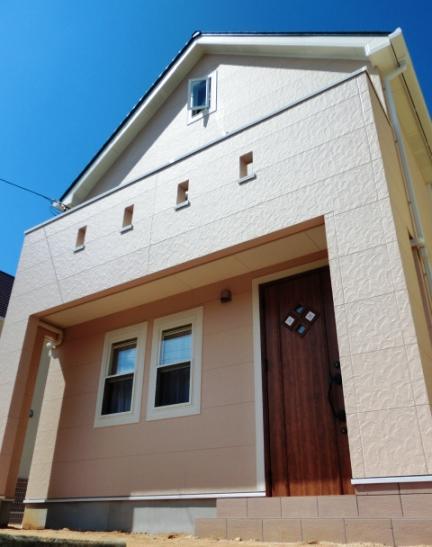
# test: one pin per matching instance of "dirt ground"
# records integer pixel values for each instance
(160, 540)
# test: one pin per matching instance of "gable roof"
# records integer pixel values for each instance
(6, 283)
(383, 49)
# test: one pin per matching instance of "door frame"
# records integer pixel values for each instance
(260, 432)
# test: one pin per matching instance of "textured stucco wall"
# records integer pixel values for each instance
(416, 340)
(320, 158)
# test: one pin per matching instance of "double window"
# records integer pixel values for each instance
(175, 373)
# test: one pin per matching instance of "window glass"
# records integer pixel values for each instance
(199, 94)
(172, 385)
(119, 381)
(117, 394)
(123, 357)
(176, 345)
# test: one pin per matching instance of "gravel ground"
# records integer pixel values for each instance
(136, 540)
(160, 540)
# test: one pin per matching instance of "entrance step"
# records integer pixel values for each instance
(339, 519)
(17, 510)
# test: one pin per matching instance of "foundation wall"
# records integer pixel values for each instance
(129, 516)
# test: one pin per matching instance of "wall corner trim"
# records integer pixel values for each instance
(392, 480)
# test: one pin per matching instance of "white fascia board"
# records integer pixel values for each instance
(295, 42)
(387, 55)
(319, 47)
(402, 53)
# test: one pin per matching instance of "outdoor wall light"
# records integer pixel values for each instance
(225, 296)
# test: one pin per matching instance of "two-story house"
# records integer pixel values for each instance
(238, 305)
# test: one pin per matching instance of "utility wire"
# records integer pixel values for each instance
(53, 202)
(27, 189)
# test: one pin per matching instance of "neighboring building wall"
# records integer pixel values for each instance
(6, 283)
(247, 87)
(318, 158)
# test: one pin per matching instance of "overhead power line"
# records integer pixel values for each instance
(55, 203)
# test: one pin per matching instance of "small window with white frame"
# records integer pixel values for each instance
(121, 376)
(201, 99)
(175, 374)
(199, 95)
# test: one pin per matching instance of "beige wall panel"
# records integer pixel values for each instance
(391, 440)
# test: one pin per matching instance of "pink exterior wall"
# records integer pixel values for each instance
(210, 452)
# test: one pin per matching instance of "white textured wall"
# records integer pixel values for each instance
(247, 88)
(320, 158)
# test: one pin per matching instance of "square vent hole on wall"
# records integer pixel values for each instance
(182, 195)
(80, 239)
(246, 168)
(127, 219)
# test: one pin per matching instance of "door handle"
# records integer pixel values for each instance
(335, 380)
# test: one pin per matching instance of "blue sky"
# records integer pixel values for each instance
(72, 69)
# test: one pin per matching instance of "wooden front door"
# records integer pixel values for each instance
(306, 434)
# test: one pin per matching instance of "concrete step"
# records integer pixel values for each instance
(395, 532)
(390, 519)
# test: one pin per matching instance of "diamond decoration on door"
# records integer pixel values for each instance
(300, 319)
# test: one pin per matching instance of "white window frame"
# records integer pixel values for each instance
(212, 76)
(138, 331)
(192, 317)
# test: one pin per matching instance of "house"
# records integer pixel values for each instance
(6, 282)
(231, 324)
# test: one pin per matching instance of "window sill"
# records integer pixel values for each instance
(174, 411)
(247, 178)
(127, 228)
(79, 248)
(182, 205)
(122, 418)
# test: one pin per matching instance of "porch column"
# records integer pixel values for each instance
(16, 397)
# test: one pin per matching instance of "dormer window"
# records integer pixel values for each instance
(199, 95)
